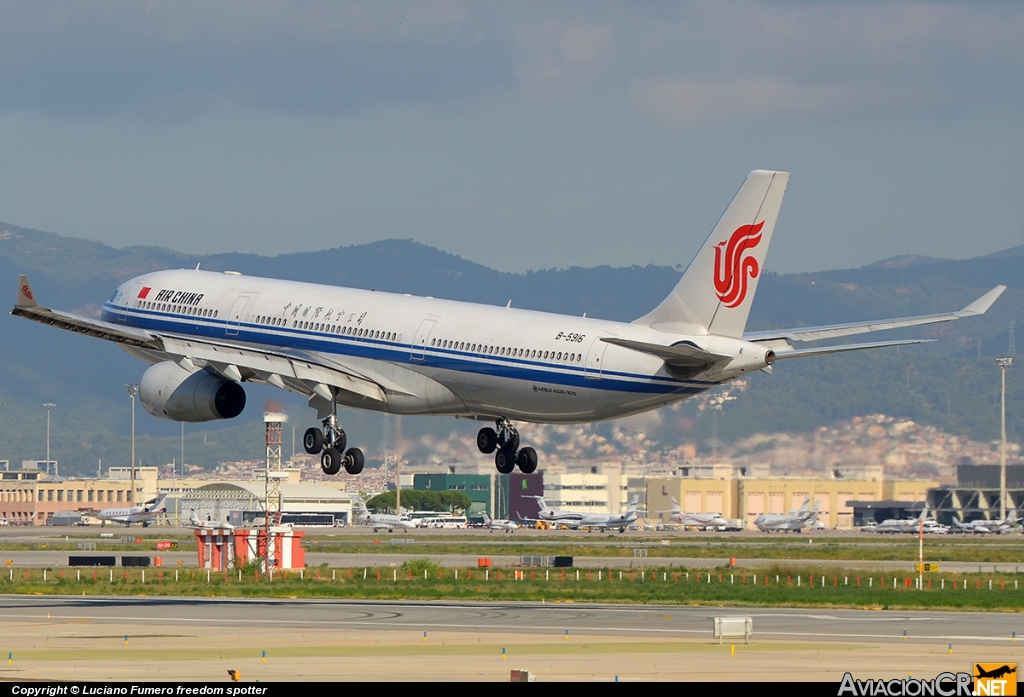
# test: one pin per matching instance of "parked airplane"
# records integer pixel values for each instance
(701, 521)
(911, 526)
(209, 523)
(600, 521)
(983, 527)
(134, 514)
(603, 521)
(206, 333)
(794, 521)
(385, 521)
(499, 524)
(549, 515)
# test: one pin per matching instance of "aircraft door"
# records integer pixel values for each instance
(419, 341)
(122, 302)
(595, 359)
(235, 316)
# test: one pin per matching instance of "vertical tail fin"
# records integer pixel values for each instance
(717, 289)
(540, 502)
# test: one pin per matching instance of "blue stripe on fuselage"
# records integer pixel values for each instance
(399, 353)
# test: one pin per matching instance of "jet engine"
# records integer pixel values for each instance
(170, 392)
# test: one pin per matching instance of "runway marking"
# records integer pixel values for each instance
(413, 625)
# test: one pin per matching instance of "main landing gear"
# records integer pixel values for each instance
(505, 440)
(330, 443)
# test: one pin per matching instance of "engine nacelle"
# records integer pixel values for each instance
(170, 392)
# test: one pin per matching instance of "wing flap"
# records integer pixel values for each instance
(978, 307)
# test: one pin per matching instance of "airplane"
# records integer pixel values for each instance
(573, 520)
(205, 334)
(209, 523)
(385, 521)
(499, 524)
(550, 515)
(996, 672)
(910, 526)
(794, 521)
(982, 527)
(134, 514)
(603, 521)
(702, 521)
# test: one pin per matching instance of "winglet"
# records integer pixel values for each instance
(26, 298)
(981, 305)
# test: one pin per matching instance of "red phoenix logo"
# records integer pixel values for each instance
(27, 292)
(732, 269)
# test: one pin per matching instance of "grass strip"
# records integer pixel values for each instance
(792, 586)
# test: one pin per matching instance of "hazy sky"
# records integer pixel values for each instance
(519, 135)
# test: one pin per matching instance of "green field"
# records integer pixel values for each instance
(790, 585)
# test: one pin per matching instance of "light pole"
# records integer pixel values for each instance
(132, 391)
(8, 459)
(48, 406)
(1003, 364)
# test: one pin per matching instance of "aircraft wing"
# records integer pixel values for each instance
(978, 307)
(295, 371)
(27, 307)
(301, 372)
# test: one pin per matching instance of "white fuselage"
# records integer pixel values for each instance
(382, 521)
(699, 520)
(127, 516)
(432, 356)
(608, 520)
(768, 522)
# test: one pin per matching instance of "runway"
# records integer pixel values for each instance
(117, 638)
(597, 620)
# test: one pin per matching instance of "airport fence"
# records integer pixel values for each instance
(782, 586)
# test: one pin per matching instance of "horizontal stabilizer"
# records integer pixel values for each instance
(978, 307)
(681, 354)
(822, 350)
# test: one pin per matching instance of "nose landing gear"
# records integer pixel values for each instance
(330, 444)
(505, 440)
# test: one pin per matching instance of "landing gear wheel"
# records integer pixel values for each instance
(313, 441)
(340, 440)
(354, 461)
(512, 440)
(505, 461)
(487, 440)
(526, 461)
(330, 461)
